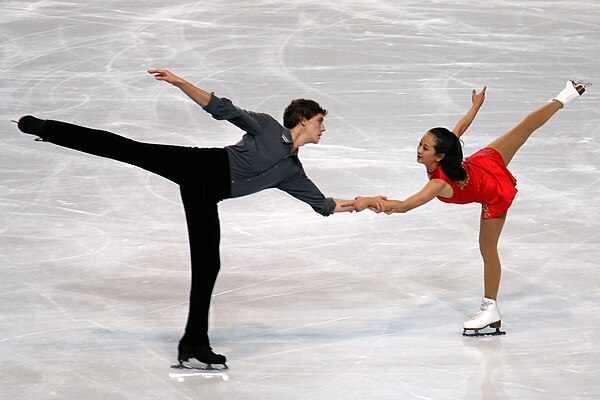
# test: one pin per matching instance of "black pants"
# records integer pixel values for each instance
(203, 178)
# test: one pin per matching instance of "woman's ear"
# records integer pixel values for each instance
(439, 157)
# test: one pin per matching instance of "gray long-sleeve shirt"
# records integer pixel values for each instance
(263, 158)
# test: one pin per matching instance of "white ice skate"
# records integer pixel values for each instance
(571, 92)
(488, 315)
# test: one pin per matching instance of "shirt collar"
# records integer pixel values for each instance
(286, 136)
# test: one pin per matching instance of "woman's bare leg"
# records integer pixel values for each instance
(509, 143)
(489, 233)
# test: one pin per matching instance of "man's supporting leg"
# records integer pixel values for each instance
(204, 235)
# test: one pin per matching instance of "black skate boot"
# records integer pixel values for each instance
(204, 354)
(32, 125)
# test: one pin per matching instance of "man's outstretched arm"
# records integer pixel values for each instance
(198, 95)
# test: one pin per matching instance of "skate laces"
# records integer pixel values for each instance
(482, 309)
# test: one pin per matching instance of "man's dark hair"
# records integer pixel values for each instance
(301, 108)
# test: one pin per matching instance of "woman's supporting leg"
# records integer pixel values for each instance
(488, 313)
(489, 233)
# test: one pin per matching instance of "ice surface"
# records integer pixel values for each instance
(94, 257)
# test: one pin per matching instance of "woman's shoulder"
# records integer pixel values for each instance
(437, 173)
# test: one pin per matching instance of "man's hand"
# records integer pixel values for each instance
(166, 75)
(374, 204)
(200, 97)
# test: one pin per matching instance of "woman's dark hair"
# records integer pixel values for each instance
(301, 108)
(448, 144)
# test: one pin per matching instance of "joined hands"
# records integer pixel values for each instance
(375, 204)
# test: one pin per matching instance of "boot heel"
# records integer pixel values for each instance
(496, 324)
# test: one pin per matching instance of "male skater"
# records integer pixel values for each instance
(266, 157)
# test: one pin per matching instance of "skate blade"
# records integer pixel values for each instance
(208, 367)
(477, 332)
(185, 371)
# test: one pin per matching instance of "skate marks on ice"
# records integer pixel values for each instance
(386, 73)
(181, 371)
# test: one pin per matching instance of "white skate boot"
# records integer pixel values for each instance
(488, 315)
(571, 92)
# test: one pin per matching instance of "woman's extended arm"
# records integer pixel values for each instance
(432, 189)
(477, 99)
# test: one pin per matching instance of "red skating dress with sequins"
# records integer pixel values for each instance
(488, 182)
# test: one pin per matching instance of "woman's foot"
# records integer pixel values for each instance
(487, 315)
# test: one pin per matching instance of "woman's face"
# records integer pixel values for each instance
(426, 152)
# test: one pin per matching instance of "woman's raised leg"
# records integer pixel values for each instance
(509, 143)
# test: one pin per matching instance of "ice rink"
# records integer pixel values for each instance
(94, 272)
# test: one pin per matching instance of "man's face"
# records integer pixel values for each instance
(314, 128)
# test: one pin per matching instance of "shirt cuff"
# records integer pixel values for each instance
(212, 103)
(329, 206)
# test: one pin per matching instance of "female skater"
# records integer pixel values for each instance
(266, 157)
(482, 178)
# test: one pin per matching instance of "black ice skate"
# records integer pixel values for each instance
(204, 354)
(32, 125)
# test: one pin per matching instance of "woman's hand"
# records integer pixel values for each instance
(374, 204)
(478, 98)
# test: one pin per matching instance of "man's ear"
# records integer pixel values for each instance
(303, 121)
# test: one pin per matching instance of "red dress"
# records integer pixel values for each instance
(488, 182)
